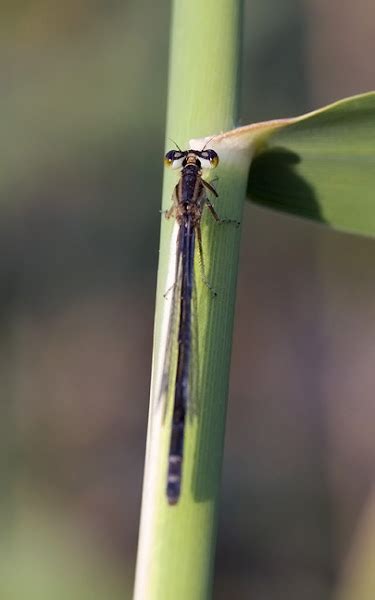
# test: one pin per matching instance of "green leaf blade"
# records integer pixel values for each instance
(321, 166)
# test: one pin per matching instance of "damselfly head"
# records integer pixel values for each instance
(175, 158)
(205, 159)
(208, 158)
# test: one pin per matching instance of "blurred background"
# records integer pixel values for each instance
(78, 257)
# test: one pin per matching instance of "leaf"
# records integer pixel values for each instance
(320, 166)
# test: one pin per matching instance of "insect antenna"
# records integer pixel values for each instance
(175, 143)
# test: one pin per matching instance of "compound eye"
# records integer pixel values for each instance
(210, 159)
(174, 159)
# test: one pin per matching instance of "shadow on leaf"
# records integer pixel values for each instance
(274, 181)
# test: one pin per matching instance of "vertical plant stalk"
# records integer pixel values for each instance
(177, 544)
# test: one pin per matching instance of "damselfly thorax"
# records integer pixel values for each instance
(189, 196)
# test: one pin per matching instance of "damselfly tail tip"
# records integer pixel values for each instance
(172, 501)
(173, 492)
(174, 479)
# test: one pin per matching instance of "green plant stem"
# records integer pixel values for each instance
(177, 544)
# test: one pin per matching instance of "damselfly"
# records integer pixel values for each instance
(188, 201)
